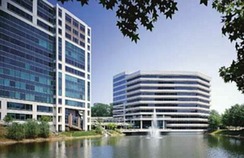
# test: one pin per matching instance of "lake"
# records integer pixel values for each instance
(168, 146)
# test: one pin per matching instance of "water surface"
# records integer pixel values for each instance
(168, 146)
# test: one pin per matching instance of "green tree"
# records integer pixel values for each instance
(45, 118)
(234, 116)
(214, 120)
(131, 14)
(112, 126)
(225, 118)
(8, 118)
(101, 110)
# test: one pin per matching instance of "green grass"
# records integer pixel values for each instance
(229, 132)
(79, 133)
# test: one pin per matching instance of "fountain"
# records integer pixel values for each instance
(153, 130)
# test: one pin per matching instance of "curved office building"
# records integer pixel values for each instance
(181, 100)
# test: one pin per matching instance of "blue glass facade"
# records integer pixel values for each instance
(74, 103)
(59, 83)
(41, 71)
(74, 55)
(26, 61)
(27, 4)
(75, 87)
(119, 88)
(45, 11)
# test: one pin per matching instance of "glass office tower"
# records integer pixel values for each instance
(45, 57)
(180, 100)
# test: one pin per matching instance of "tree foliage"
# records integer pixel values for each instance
(214, 120)
(130, 14)
(101, 110)
(233, 19)
(234, 116)
(8, 118)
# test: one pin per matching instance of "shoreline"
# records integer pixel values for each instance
(220, 133)
(229, 136)
(6, 141)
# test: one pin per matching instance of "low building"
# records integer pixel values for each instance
(180, 101)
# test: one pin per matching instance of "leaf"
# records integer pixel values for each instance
(205, 2)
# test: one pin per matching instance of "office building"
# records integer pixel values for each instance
(180, 100)
(45, 64)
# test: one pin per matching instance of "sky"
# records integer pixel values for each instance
(191, 41)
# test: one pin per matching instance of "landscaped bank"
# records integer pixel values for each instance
(230, 133)
(55, 137)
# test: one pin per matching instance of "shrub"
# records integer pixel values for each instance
(44, 129)
(98, 130)
(16, 131)
(8, 118)
(32, 129)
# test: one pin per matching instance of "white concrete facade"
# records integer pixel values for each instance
(181, 100)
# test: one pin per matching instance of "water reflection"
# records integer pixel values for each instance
(196, 146)
(228, 146)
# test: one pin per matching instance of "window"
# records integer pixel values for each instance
(27, 4)
(88, 91)
(45, 26)
(75, 32)
(60, 13)
(60, 31)
(82, 28)
(46, 109)
(88, 40)
(68, 18)
(60, 101)
(82, 44)
(89, 32)
(75, 40)
(19, 106)
(74, 103)
(75, 23)
(20, 116)
(19, 12)
(82, 36)
(88, 63)
(60, 49)
(75, 87)
(68, 36)
(67, 27)
(74, 55)
(73, 71)
(59, 22)
(60, 84)
(59, 66)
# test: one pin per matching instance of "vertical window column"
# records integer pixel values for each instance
(60, 84)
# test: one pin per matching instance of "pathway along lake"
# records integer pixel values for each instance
(168, 146)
